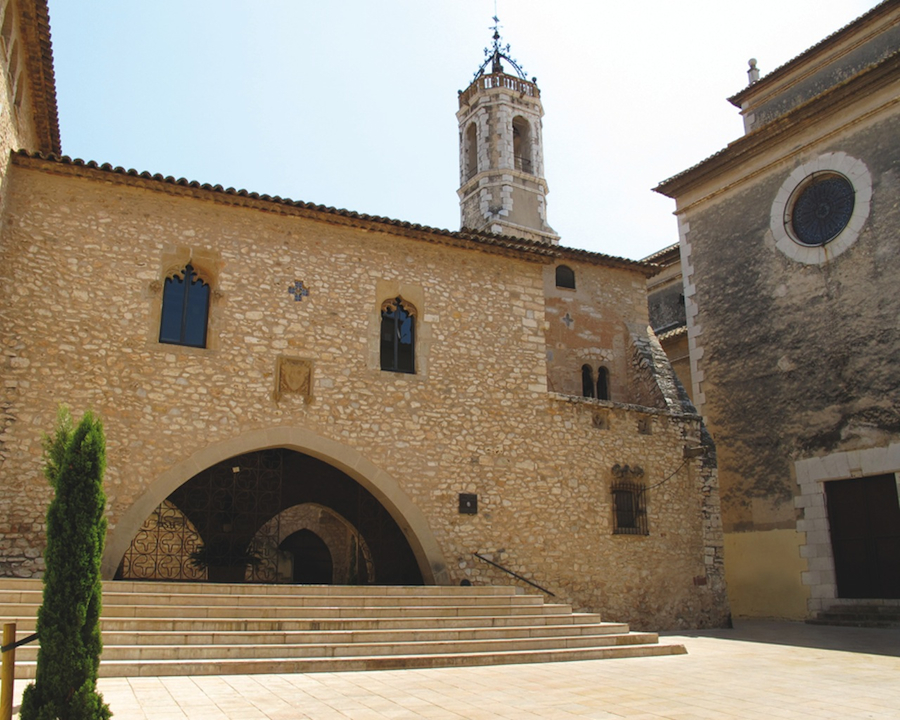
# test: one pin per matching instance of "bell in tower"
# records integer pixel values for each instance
(501, 160)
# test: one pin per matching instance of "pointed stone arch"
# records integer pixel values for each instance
(379, 483)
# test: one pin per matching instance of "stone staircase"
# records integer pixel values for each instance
(154, 629)
(860, 613)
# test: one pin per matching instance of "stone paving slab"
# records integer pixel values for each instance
(758, 671)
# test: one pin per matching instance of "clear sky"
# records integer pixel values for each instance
(351, 103)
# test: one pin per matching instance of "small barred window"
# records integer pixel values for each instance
(629, 511)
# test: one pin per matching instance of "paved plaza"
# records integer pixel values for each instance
(758, 671)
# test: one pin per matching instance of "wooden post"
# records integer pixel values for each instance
(8, 672)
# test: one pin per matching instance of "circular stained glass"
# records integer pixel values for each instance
(822, 208)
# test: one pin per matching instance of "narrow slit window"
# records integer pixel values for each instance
(587, 381)
(471, 151)
(602, 384)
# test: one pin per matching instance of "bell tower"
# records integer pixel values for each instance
(501, 156)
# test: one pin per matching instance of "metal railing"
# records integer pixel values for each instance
(515, 575)
(523, 164)
(498, 80)
(8, 670)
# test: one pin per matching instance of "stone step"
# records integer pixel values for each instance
(431, 633)
(192, 652)
(883, 614)
(208, 628)
(854, 618)
(299, 599)
(258, 589)
(280, 611)
(283, 665)
(266, 625)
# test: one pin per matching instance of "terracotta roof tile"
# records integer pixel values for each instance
(35, 26)
(465, 236)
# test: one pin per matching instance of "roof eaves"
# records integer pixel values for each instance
(659, 254)
(35, 24)
(738, 98)
(466, 236)
(785, 123)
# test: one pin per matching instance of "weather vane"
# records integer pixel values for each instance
(497, 51)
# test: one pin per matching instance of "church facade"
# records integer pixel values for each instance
(789, 250)
(314, 395)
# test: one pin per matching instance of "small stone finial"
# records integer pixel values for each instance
(753, 72)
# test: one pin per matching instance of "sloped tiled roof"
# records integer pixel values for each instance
(34, 23)
(738, 97)
(464, 237)
(880, 71)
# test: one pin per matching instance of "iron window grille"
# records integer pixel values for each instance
(821, 208)
(629, 509)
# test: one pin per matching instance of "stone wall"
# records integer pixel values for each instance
(796, 354)
(83, 257)
(590, 324)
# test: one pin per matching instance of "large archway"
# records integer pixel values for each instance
(332, 458)
(241, 510)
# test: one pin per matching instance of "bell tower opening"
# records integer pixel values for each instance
(502, 188)
(471, 152)
(522, 144)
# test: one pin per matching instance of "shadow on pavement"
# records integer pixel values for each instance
(871, 641)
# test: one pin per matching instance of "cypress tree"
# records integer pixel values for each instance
(68, 624)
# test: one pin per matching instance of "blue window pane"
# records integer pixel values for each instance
(172, 311)
(398, 339)
(185, 310)
(196, 314)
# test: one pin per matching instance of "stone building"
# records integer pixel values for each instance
(346, 398)
(789, 248)
(665, 301)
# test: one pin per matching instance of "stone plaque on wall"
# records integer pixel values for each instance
(293, 376)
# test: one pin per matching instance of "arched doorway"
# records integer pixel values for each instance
(351, 563)
(310, 557)
(237, 507)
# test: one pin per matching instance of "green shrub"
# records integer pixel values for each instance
(68, 624)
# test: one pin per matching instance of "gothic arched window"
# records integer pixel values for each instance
(398, 336)
(565, 277)
(185, 309)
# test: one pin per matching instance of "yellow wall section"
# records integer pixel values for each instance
(762, 570)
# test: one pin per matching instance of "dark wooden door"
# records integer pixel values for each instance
(864, 517)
